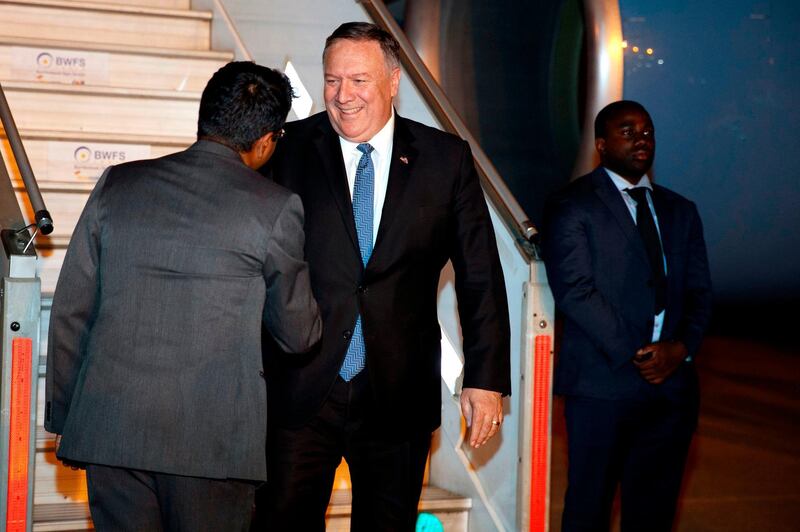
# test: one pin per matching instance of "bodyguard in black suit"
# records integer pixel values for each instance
(373, 394)
(154, 364)
(627, 265)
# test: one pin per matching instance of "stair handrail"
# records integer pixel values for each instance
(237, 38)
(42, 218)
(515, 218)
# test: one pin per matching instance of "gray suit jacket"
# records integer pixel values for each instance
(154, 355)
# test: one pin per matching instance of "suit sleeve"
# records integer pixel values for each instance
(568, 261)
(697, 295)
(73, 312)
(480, 285)
(290, 313)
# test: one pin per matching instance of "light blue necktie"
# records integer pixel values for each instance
(363, 192)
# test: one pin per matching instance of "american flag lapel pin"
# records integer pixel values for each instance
(404, 159)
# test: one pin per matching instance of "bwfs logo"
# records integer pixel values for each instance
(85, 155)
(44, 60)
(47, 60)
(87, 160)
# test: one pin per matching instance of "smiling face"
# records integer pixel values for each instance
(359, 88)
(628, 144)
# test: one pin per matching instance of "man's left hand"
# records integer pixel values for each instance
(483, 410)
(665, 359)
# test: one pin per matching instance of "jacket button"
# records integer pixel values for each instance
(261, 373)
(347, 334)
(362, 289)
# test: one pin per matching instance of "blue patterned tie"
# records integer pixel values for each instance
(363, 193)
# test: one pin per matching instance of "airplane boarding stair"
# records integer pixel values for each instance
(97, 83)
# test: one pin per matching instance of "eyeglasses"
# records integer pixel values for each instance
(278, 135)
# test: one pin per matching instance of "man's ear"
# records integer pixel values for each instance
(260, 152)
(600, 145)
(264, 144)
(394, 78)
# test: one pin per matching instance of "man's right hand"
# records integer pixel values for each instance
(658, 361)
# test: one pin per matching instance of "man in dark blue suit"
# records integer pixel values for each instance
(627, 265)
(388, 202)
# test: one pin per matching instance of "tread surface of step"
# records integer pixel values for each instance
(128, 67)
(103, 110)
(98, 23)
(165, 4)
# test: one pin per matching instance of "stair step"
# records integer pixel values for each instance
(44, 440)
(113, 66)
(167, 4)
(57, 484)
(90, 136)
(106, 23)
(101, 6)
(103, 110)
(222, 56)
(54, 175)
(66, 516)
(66, 194)
(451, 509)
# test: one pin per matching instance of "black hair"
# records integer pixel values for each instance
(242, 102)
(365, 31)
(611, 111)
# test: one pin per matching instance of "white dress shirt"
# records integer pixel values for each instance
(621, 185)
(381, 155)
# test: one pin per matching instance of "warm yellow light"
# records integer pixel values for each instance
(649, 51)
(624, 44)
(635, 49)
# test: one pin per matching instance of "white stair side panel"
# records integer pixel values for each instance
(127, 70)
(105, 112)
(167, 30)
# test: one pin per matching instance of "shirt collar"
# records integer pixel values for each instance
(381, 142)
(621, 183)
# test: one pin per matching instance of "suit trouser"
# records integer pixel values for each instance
(386, 472)
(140, 501)
(640, 444)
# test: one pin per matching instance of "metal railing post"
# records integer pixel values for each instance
(20, 297)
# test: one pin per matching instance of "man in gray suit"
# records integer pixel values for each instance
(154, 370)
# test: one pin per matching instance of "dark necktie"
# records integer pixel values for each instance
(363, 194)
(652, 243)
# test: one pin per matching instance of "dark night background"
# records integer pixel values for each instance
(723, 100)
(722, 86)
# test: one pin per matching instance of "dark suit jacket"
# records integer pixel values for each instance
(600, 276)
(154, 355)
(434, 211)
